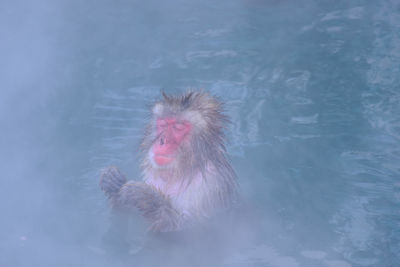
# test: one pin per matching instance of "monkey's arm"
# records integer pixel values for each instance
(153, 205)
(126, 196)
(111, 182)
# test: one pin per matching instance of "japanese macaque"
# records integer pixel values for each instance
(187, 177)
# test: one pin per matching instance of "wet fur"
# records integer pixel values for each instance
(197, 185)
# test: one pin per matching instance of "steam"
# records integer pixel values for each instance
(310, 90)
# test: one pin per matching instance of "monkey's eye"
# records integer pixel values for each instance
(161, 123)
(179, 126)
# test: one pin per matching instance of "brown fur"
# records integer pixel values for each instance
(198, 184)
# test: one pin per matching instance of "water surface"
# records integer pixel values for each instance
(312, 89)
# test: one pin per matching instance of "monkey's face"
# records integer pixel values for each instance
(171, 135)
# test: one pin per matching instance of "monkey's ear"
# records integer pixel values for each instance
(158, 109)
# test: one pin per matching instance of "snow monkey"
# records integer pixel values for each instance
(186, 175)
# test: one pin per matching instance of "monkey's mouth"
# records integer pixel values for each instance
(162, 159)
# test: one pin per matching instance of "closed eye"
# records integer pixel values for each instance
(162, 123)
(179, 126)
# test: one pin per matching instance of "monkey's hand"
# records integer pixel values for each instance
(111, 181)
(153, 205)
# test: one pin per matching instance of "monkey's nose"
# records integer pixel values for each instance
(161, 140)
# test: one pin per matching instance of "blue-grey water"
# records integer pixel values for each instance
(312, 89)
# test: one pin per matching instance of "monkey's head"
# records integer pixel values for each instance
(185, 132)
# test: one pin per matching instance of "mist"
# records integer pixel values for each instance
(312, 90)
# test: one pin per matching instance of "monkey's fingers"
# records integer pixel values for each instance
(111, 180)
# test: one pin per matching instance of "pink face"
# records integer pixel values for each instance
(171, 133)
